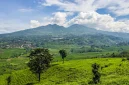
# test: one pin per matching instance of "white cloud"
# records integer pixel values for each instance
(118, 7)
(88, 15)
(59, 18)
(100, 22)
(91, 19)
(34, 23)
(69, 6)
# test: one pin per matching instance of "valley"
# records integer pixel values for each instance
(109, 50)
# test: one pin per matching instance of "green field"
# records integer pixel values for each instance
(75, 72)
(7, 53)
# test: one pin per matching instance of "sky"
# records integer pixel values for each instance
(107, 15)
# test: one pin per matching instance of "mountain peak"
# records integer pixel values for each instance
(76, 25)
(52, 25)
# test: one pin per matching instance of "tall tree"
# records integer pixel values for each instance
(63, 54)
(39, 60)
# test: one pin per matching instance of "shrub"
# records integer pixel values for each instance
(96, 74)
(123, 59)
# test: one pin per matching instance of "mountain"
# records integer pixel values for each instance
(42, 30)
(56, 30)
(51, 35)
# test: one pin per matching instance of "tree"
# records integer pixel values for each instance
(63, 54)
(39, 60)
(96, 74)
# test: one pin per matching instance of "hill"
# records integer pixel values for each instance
(113, 71)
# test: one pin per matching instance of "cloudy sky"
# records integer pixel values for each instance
(108, 15)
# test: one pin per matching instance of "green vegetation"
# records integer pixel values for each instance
(93, 57)
(113, 71)
(76, 70)
(12, 64)
(39, 60)
(11, 52)
(96, 74)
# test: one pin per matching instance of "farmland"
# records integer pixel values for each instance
(76, 70)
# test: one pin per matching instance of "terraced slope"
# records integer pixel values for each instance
(113, 71)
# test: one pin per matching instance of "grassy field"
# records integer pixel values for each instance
(7, 53)
(12, 64)
(75, 72)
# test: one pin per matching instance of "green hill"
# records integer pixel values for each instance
(113, 71)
